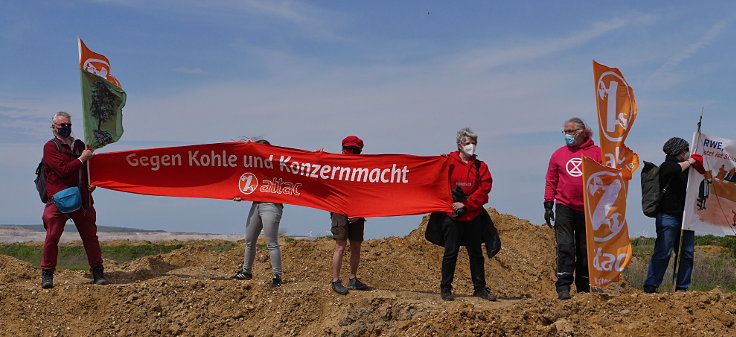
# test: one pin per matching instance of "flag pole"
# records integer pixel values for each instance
(678, 256)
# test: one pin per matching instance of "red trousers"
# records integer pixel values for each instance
(54, 221)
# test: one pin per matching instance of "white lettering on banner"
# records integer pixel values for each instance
(614, 159)
(279, 186)
(601, 281)
(608, 262)
(154, 162)
(212, 159)
(390, 175)
(611, 93)
(574, 167)
(615, 222)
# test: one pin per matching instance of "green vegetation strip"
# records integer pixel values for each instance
(709, 272)
(74, 257)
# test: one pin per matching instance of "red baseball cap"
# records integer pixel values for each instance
(352, 141)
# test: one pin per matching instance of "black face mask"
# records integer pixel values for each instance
(65, 131)
(352, 149)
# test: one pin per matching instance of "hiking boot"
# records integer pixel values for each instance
(564, 294)
(47, 278)
(98, 275)
(446, 295)
(276, 282)
(354, 283)
(484, 294)
(339, 288)
(241, 275)
(650, 289)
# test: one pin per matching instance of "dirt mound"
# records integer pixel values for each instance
(14, 270)
(187, 292)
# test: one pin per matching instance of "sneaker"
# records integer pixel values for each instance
(47, 278)
(276, 282)
(98, 275)
(680, 289)
(446, 295)
(564, 294)
(354, 283)
(241, 275)
(650, 289)
(339, 288)
(484, 294)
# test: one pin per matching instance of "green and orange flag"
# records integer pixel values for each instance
(103, 99)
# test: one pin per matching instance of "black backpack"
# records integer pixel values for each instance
(651, 194)
(40, 180)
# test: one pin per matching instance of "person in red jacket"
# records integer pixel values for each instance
(471, 183)
(565, 188)
(65, 167)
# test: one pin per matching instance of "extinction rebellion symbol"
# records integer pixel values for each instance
(574, 167)
(248, 183)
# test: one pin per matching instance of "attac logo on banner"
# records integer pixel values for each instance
(606, 186)
(354, 185)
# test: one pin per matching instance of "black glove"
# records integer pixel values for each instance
(549, 214)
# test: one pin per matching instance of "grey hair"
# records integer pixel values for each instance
(466, 133)
(62, 114)
(580, 123)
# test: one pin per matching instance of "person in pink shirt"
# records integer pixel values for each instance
(564, 189)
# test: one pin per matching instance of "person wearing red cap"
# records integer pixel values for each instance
(346, 228)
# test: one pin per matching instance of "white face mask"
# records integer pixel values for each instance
(469, 149)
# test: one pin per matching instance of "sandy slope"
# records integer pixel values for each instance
(186, 292)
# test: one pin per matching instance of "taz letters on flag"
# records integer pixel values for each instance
(354, 185)
(609, 248)
(103, 99)
(616, 114)
(710, 204)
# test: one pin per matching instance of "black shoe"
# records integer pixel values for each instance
(564, 294)
(98, 275)
(241, 275)
(446, 295)
(354, 283)
(339, 288)
(484, 294)
(47, 278)
(276, 282)
(650, 289)
(680, 289)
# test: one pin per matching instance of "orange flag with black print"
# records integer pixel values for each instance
(605, 186)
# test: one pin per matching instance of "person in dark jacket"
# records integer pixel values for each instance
(471, 184)
(673, 179)
(67, 167)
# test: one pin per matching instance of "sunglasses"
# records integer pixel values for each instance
(63, 125)
(570, 131)
(352, 149)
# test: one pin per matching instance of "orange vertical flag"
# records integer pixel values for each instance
(606, 186)
(616, 114)
(609, 248)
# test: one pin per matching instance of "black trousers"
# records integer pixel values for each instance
(457, 233)
(572, 249)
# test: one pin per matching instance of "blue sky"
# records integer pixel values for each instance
(404, 76)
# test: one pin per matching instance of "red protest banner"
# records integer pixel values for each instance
(355, 185)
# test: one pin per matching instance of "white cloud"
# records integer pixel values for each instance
(688, 51)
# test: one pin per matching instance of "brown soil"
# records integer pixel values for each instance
(186, 292)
